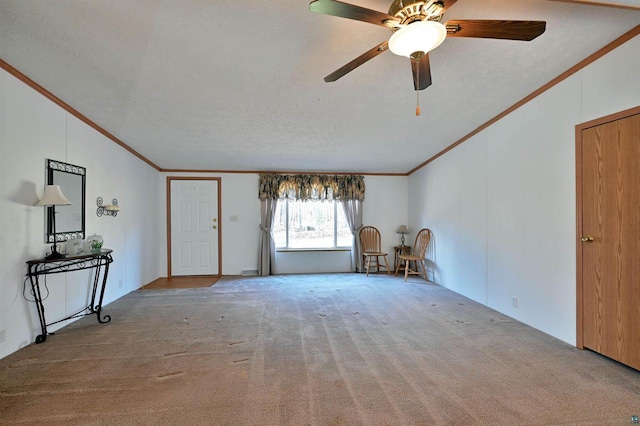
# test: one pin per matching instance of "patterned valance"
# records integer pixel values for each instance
(311, 187)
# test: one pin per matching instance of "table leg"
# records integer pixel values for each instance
(35, 290)
(107, 318)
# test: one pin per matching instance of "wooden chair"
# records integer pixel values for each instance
(371, 248)
(419, 250)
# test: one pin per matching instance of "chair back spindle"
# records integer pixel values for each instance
(370, 239)
(422, 242)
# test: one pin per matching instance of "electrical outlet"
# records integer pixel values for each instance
(514, 301)
(120, 284)
(3, 335)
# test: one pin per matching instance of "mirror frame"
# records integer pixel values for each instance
(59, 166)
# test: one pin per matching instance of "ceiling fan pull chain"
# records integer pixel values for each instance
(418, 93)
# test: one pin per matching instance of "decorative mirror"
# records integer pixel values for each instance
(69, 219)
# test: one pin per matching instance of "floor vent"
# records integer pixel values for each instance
(249, 272)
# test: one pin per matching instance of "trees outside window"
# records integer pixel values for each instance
(310, 225)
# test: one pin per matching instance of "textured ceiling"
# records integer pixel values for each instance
(238, 84)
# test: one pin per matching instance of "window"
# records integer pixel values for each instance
(310, 225)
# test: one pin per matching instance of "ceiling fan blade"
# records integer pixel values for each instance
(421, 72)
(508, 30)
(357, 62)
(350, 11)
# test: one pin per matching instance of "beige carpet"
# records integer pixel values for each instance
(337, 349)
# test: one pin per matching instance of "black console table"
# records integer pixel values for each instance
(97, 261)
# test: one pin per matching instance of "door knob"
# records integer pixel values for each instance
(586, 239)
(215, 227)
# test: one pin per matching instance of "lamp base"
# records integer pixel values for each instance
(55, 254)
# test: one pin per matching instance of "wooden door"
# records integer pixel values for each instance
(194, 227)
(610, 243)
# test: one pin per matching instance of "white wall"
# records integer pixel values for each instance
(33, 129)
(312, 262)
(502, 204)
(385, 207)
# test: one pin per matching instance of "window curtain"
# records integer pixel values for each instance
(311, 187)
(267, 250)
(353, 213)
(348, 189)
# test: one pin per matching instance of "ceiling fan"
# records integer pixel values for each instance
(417, 30)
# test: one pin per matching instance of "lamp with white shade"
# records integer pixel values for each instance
(402, 230)
(52, 197)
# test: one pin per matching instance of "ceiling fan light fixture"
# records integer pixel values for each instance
(419, 36)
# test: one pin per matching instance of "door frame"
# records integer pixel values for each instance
(172, 178)
(579, 244)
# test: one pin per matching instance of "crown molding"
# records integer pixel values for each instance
(62, 104)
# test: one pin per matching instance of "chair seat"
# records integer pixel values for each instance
(374, 253)
(410, 257)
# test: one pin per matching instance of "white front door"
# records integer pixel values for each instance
(194, 227)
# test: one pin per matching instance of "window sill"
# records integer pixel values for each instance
(294, 250)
